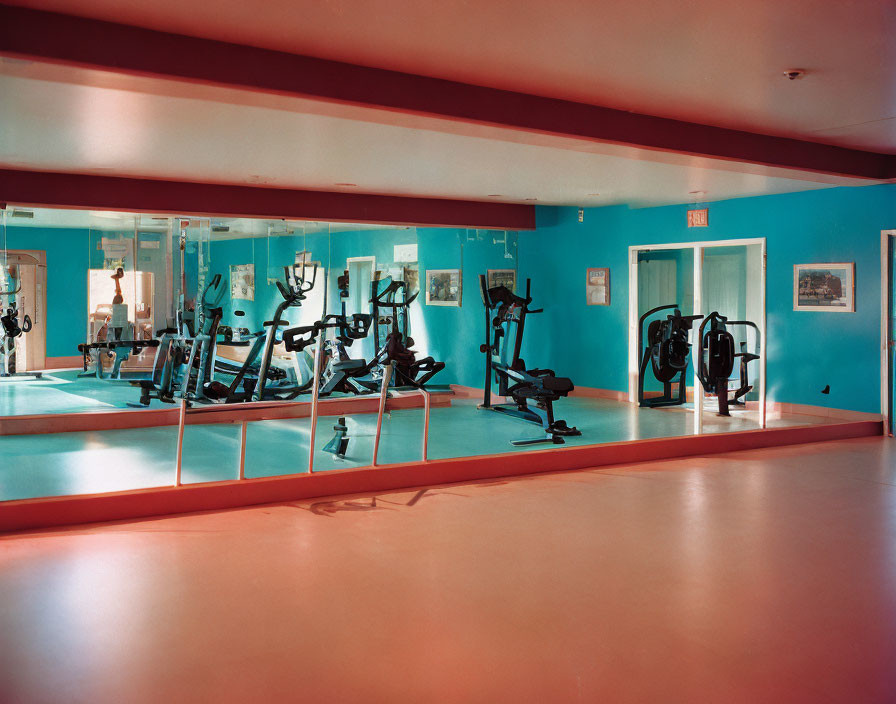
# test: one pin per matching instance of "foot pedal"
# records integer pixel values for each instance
(553, 439)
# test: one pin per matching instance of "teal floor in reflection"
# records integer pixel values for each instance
(100, 461)
(64, 392)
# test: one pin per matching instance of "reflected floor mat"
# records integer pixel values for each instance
(65, 392)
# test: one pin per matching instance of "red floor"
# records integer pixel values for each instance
(762, 576)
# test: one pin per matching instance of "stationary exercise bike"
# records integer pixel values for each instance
(540, 386)
(665, 349)
(718, 357)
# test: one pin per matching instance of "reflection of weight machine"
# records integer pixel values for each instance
(665, 349)
(718, 356)
(11, 328)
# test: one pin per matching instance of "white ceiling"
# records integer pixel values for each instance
(698, 60)
(142, 131)
(702, 61)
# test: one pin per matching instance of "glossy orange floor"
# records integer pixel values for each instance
(763, 576)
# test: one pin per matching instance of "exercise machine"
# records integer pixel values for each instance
(256, 379)
(665, 348)
(11, 329)
(718, 357)
(505, 322)
(340, 372)
(390, 303)
(115, 340)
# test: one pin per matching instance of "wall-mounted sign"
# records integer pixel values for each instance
(405, 252)
(597, 287)
(698, 218)
(242, 282)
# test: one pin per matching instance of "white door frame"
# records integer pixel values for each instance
(884, 327)
(355, 260)
(698, 247)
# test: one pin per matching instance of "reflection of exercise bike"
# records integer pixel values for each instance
(341, 373)
(10, 330)
(718, 356)
(665, 349)
(503, 340)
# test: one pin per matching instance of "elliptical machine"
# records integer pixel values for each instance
(666, 352)
(252, 379)
(718, 356)
(390, 301)
(540, 386)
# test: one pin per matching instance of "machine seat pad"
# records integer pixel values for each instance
(557, 384)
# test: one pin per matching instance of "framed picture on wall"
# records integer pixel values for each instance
(502, 277)
(825, 288)
(242, 282)
(443, 287)
(597, 286)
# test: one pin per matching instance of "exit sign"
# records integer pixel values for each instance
(698, 218)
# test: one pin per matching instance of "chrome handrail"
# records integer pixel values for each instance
(384, 394)
(315, 398)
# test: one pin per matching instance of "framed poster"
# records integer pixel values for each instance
(443, 287)
(597, 287)
(825, 288)
(242, 282)
(501, 277)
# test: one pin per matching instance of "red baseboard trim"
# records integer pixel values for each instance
(63, 362)
(69, 510)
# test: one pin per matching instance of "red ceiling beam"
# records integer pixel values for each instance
(70, 40)
(39, 188)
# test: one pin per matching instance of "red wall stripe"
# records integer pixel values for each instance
(40, 188)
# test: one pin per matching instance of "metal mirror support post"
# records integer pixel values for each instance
(384, 394)
(180, 441)
(425, 422)
(315, 398)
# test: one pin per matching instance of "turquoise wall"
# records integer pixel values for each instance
(806, 350)
(67, 263)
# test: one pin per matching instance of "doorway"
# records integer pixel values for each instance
(698, 278)
(888, 328)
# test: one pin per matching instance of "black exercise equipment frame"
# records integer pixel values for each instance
(718, 357)
(539, 385)
(671, 331)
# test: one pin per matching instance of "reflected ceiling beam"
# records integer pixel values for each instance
(65, 190)
(69, 40)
